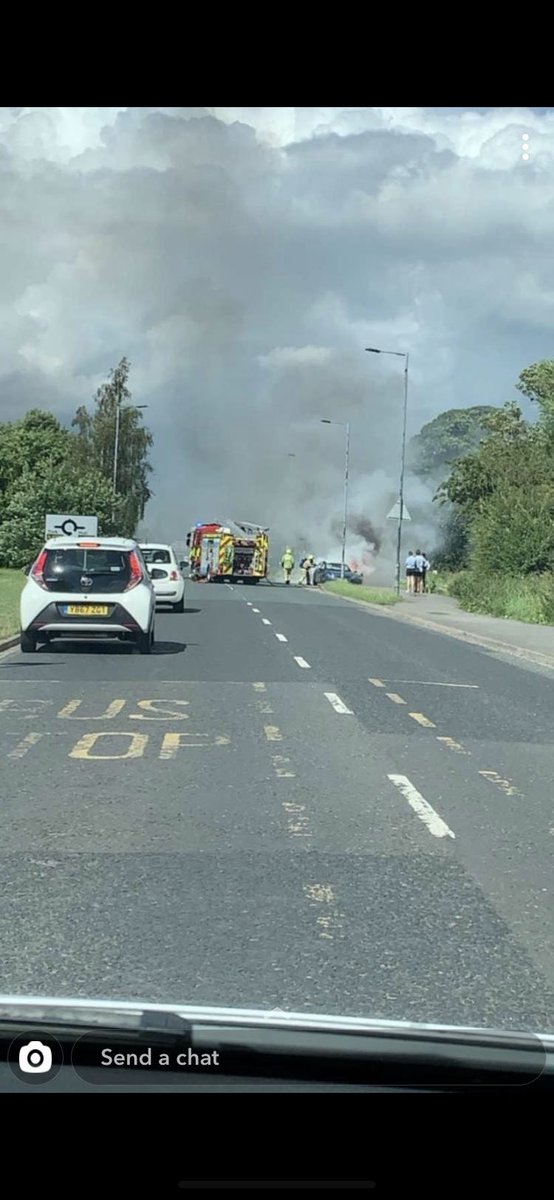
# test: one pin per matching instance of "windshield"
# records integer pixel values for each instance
(263, 342)
(156, 554)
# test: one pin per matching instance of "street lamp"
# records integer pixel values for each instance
(116, 446)
(346, 426)
(399, 354)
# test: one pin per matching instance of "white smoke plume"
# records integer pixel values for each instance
(242, 259)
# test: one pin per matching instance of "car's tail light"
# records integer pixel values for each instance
(136, 571)
(37, 570)
(174, 575)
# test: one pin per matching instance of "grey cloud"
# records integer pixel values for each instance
(242, 259)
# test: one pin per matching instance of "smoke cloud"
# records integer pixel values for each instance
(242, 259)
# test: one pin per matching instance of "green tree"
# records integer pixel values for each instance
(497, 461)
(35, 441)
(95, 437)
(450, 436)
(64, 487)
(537, 383)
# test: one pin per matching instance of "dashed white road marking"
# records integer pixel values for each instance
(255, 610)
(259, 687)
(281, 637)
(249, 603)
(281, 766)
(452, 745)
(422, 720)
(506, 785)
(328, 920)
(265, 621)
(301, 661)
(376, 682)
(273, 733)
(396, 699)
(338, 704)
(426, 813)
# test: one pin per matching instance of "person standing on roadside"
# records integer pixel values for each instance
(410, 572)
(287, 563)
(420, 560)
(426, 567)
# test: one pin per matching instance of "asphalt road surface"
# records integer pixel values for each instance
(293, 803)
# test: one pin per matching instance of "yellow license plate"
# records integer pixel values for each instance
(87, 610)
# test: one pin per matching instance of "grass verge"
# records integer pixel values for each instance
(11, 583)
(357, 591)
(529, 598)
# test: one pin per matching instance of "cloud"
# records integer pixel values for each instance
(243, 258)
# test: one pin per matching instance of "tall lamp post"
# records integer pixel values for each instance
(116, 447)
(406, 357)
(345, 425)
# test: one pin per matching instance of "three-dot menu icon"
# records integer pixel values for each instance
(525, 147)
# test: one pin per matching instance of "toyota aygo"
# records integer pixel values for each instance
(88, 588)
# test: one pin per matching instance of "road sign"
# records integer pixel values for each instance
(395, 513)
(70, 525)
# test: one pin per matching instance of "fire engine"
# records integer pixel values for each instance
(236, 551)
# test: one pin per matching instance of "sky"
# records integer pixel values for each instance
(242, 258)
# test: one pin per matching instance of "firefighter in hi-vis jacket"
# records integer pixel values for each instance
(287, 563)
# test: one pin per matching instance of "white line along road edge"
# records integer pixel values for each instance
(338, 704)
(425, 812)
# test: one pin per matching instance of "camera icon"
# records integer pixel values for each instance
(35, 1058)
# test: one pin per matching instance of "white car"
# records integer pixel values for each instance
(165, 574)
(88, 588)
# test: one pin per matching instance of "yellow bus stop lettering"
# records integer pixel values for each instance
(112, 710)
(159, 714)
(179, 741)
(135, 749)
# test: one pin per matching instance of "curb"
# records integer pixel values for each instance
(461, 635)
(7, 643)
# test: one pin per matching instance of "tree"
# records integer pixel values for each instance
(95, 438)
(450, 436)
(497, 461)
(34, 441)
(537, 383)
(61, 488)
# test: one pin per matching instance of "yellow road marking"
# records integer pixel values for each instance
(112, 710)
(281, 764)
(422, 720)
(24, 746)
(135, 749)
(173, 742)
(452, 745)
(165, 712)
(506, 785)
(376, 682)
(273, 733)
(395, 698)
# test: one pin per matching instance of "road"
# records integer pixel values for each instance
(294, 803)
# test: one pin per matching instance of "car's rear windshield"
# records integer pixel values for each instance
(70, 567)
(153, 554)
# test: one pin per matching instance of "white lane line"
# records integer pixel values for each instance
(435, 824)
(301, 661)
(338, 704)
(273, 733)
(396, 699)
(376, 682)
(265, 621)
(249, 603)
(259, 687)
(281, 637)
(255, 610)
(430, 683)
(25, 745)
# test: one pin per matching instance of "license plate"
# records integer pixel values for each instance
(85, 610)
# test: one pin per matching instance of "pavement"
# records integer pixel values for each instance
(292, 803)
